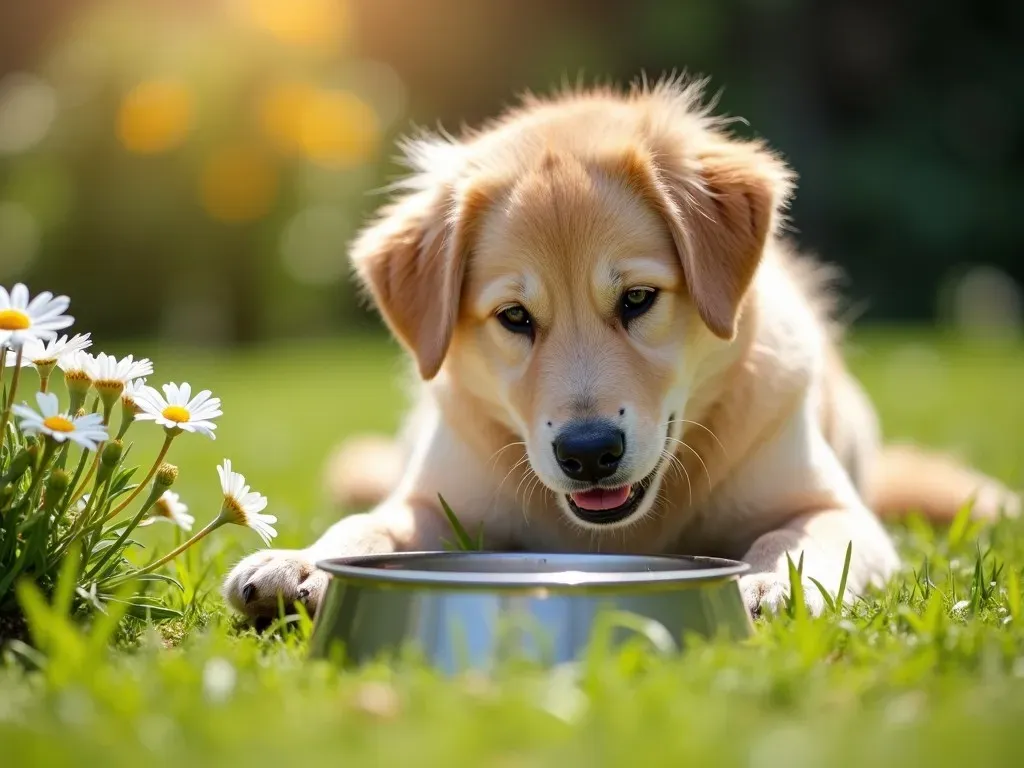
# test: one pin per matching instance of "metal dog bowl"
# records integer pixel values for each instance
(462, 610)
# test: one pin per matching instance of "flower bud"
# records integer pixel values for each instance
(109, 458)
(166, 475)
(57, 483)
(111, 453)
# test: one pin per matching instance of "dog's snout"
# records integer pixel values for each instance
(590, 450)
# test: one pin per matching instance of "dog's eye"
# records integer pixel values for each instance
(636, 301)
(516, 319)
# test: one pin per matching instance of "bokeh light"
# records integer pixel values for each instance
(317, 24)
(28, 107)
(339, 129)
(155, 116)
(334, 128)
(313, 245)
(986, 301)
(281, 109)
(19, 238)
(238, 184)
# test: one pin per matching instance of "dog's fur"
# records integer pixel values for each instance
(731, 390)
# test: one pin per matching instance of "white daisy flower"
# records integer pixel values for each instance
(110, 375)
(169, 508)
(36, 353)
(87, 431)
(176, 411)
(22, 320)
(242, 506)
(132, 390)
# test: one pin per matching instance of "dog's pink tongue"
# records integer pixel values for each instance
(601, 498)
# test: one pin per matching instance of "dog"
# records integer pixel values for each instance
(617, 349)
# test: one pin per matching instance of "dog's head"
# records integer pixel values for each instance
(578, 266)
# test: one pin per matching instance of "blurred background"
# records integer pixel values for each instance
(192, 170)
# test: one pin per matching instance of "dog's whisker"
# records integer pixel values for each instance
(536, 484)
(689, 485)
(676, 464)
(509, 473)
(514, 468)
(524, 485)
(694, 452)
(494, 456)
(698, 424)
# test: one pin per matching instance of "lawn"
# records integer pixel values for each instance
(929, 672)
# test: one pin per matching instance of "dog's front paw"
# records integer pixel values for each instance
(256, 584)
(770, 591)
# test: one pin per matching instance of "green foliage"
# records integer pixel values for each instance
(50, 526)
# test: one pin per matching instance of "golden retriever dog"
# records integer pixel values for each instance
(617, 351)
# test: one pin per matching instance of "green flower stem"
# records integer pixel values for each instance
(213, 526)
(44, 370)
(10, 395)
(31, 499)
(152, 471)
(35, 487)
(82, 521)
(80, 488)
(155, 494)
(77, 399)
(127, 419)
(94, 528)
(71, 496)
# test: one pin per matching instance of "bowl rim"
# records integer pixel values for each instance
(360, 568)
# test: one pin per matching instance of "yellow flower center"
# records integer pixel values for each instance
(177, 414)
(58, 424)
(14, 320)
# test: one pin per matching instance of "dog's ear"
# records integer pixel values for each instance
(721, 208)
(412, 259)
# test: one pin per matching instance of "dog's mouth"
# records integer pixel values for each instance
(605, 506)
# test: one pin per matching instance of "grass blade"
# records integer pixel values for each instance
(465, 542)
(958, 528)
(797, 601)
(842, 580)
(1013, 595)
(824, 593)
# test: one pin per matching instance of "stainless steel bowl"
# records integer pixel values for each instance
(464, 610)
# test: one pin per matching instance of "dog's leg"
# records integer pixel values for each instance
(795, 486)
(820, 539)
(410, 519)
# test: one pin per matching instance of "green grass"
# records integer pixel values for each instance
(930, 672)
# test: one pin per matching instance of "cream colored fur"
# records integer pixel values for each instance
(731, 390)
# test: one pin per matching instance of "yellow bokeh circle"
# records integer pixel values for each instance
(155, 116)
(238, 184)
(334, 128)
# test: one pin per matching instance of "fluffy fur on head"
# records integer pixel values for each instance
(661, 139)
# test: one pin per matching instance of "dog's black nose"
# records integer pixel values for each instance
(590, 450)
